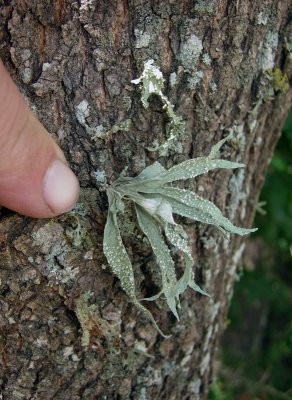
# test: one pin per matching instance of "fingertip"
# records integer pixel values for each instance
(35, 179)
(60, 188)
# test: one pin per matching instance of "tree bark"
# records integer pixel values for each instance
(67, 329)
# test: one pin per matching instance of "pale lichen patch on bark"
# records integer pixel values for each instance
(190, 52)
(205, 6)
(99, 131)
(262, 18)
(206, 59)
(91, 322)
(142, 39)
(195, 79)
(172, 79)
(266, 59)
(237, 192)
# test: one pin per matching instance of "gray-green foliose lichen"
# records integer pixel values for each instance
(155, 201)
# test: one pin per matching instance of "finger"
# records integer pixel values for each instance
(35, 179)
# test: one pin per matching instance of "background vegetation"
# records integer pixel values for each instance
(255, 360)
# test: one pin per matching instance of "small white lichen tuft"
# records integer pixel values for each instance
(142, 39)
(262, 19)
(253, 124)
(46, 66)
(194, 386)
(100, 176)
(87, 5)
(213, 86)
(152, 84)
(82, 112)
(190, 52)
(268, 50)
(194, 80)
(98, 131)
(206, 59)
(237, 135)
(26, 75)
(172, 79)
(237, 193)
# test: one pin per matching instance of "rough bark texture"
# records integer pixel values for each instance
(67, 329)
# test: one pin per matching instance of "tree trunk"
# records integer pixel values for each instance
(68, 331)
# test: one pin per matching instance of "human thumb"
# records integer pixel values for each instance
(35, 179)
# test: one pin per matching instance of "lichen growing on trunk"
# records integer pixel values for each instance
(156, 200)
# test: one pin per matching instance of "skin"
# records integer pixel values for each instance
(35, 179)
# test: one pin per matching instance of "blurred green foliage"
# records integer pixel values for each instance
(256, 353)
(276, 226)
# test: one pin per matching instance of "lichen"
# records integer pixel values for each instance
(213, 86)
(27, 75)
(267, 51)
(98, 131)
(100, 176)
(83, 112)
(232, 268)
(195, 385)
(90, 320)
(206, 59)
(46, 66)
(205, 6)
(152, 84)
(121, 126)
(260, 207)
(50, 239)
(190, 52)
(195, 79)
(78, 232)
(253, 124)
(280, 80)
(142, 39)
(77, 229)
(172, 79)
(288, 45)
(155, 202)
(237, 194)
(237, 136)
(262, 19)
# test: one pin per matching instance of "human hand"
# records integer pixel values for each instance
(35, 179)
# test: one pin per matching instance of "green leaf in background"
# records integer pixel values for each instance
(277, 193)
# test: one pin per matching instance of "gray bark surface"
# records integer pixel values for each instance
(67, 330)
